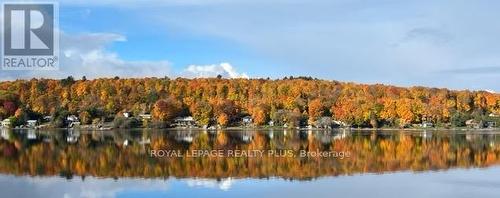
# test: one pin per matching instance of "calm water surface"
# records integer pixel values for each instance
(379, 164)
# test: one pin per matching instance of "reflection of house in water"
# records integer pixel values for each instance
(340, 135)
(127, 142)
(183, 136)
(304, 135)
(124, 138)
(270, 134)
(324, 137)
(31, 135)
(472, 136)
(244, 136)
(5, 133)
(426, 134)
(72, 136)
(145, 141)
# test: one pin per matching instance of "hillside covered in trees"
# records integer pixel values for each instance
(210, 101)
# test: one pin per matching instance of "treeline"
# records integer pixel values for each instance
(290, 101)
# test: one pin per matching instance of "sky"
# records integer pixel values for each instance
(452, 44)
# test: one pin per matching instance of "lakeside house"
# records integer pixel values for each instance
(324, 122)
(73, 121)
(72, 118)
(31, 123)
(491, 124)
(427, 124)
(127, 114)
(184, 122)
(6, 123)
(74, 124)
(247, 120)
(338, 123)
(47, 118)
(145, 117)
(473, 123)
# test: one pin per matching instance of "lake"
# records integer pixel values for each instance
(249, 163)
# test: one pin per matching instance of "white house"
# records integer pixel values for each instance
(145, 116)
(184, 121)
(47, 118)
(339, 123)
(6, 123)
(427, 124)
(31, 123)
(127, 114)
(491, 124)
(247, 120)
(473, 123)
(72, 118)
(74, 124)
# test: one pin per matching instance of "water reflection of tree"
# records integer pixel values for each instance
(104, 154)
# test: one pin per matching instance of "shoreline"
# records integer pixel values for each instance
(264, 128)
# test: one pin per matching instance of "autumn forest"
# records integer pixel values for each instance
(292, 101)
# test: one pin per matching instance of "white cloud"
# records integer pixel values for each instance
(223, 69)
(87, 55)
